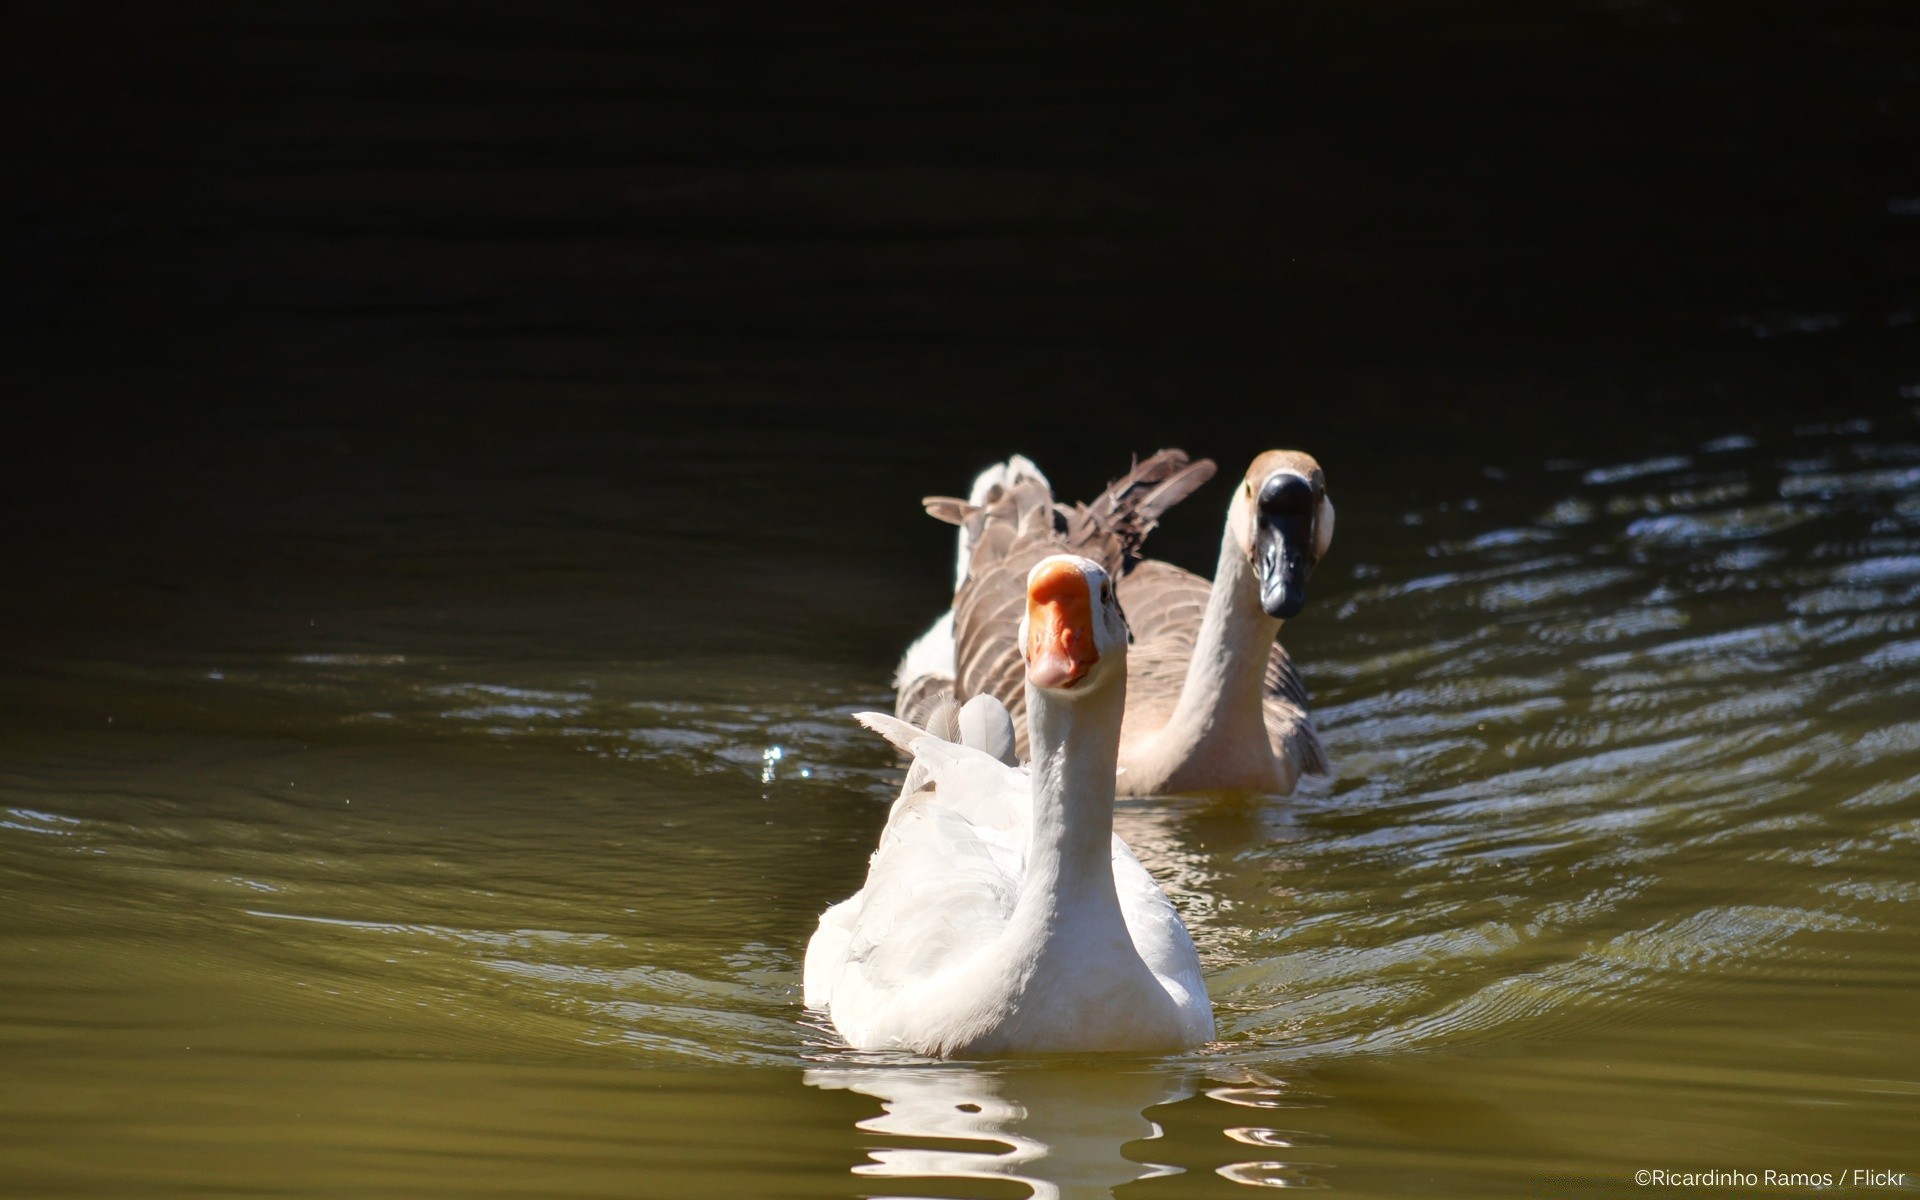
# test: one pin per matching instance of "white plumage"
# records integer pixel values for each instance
(1000, 914)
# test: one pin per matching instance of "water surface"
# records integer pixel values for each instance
(462, 474)
(1616, 869)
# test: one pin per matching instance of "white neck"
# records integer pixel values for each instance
(1074, 788)
(1066, 971)
(1220, 712)
(1069, 877)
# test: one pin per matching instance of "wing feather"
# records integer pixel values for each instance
(940, 886)
(1022, 525)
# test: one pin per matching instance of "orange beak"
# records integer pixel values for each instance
(1060, 645)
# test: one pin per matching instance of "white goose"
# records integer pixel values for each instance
(1214, 703)
(1000, 914)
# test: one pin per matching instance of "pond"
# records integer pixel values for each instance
(473, 475)
(1615, 870)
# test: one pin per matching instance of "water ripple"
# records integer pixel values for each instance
(1508, 798)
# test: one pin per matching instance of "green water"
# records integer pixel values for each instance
(1616, 871)
(460, 469)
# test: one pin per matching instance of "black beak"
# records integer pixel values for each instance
(1283, 543)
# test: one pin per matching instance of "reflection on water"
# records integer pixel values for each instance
(1287, 1153)
(1072, 1130)
(1059, 1129)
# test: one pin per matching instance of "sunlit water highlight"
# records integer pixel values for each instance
(1617, 868)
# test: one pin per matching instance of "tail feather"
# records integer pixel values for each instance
(1018, 473)
(1173, 489)
(1133, 504)
(901, 733)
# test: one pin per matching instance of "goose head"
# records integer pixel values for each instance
(1072, 636)
(1283, 522)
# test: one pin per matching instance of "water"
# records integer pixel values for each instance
(1617, 870)
(471, 478)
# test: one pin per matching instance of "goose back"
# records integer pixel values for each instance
(1013, 530)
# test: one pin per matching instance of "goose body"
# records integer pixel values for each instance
(1214, 702)
(1000, 914)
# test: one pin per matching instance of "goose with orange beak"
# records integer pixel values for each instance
(1060, 635)
(1008, 522)
(1000, 914)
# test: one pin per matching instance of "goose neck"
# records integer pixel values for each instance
(1229, 664)
(1076, 747)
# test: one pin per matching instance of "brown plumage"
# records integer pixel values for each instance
(1015, 527)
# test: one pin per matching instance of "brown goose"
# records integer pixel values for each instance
(1213, 701)
(1006, 499)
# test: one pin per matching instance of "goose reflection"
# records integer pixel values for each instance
(1058, 1129)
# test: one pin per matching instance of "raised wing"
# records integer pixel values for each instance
(1022, 525)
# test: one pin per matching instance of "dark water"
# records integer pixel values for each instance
(462, 472)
